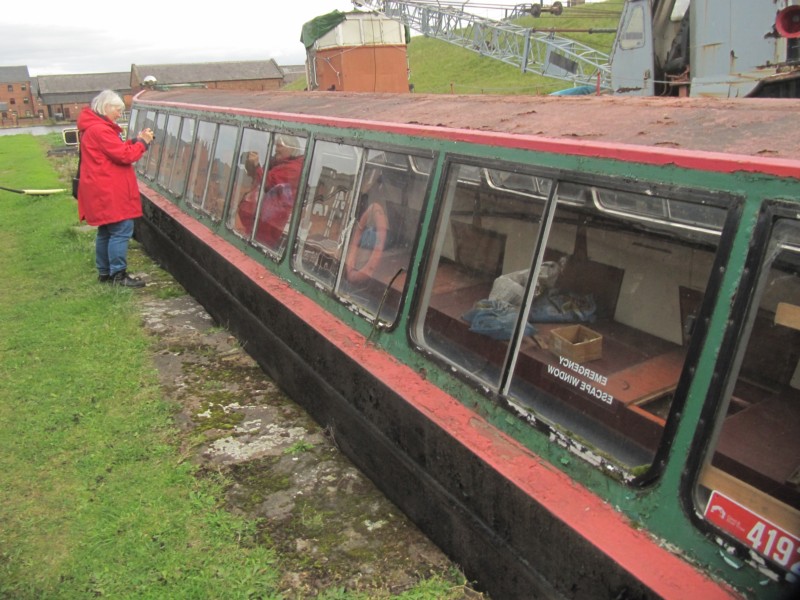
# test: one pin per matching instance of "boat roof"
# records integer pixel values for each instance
(757, 127)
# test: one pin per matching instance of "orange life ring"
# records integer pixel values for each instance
(375, 215)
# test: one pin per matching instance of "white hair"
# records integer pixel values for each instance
(290, 142)
(105, 100)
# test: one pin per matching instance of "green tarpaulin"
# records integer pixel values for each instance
(316, 28)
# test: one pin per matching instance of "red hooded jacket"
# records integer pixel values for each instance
(108, 190)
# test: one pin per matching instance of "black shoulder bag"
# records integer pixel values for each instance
(76, 179)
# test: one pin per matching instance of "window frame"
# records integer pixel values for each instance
(727, 201)
(726, 372)
(364, 147)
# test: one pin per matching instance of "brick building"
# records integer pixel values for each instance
(64, 96)
(25, 99)
(18, 98)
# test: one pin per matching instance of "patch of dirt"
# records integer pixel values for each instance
(330, 526)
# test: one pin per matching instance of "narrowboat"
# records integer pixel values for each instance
(561, 334)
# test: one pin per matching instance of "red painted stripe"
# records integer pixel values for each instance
(606, 529)
(690, 159)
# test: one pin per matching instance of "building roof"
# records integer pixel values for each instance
(61, 89)
(207, 72)
(14, 74)
(86, 82)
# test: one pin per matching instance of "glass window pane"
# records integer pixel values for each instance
(483, 253)
(170, 150)
(280, 191)
(177, 179)
(753, 474)
(326, 210)
(201, 160)
(221, 169)
(132, 123)
(154, 152)
(385, 228)
(247, 182)
(149, 121)
(611, 321)
(633, 30)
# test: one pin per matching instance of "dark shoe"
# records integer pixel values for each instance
(122, 279)
(104, 278)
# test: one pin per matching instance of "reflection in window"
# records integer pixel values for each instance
(170, 149)
(279, 191)
(154, 152)
(247, 181)
(201, 160)
(148, 121)
(326, 210)
(132, 123)
(177, 178)
(756, 457)
(221, 170)
(607, 323)
(383, 235)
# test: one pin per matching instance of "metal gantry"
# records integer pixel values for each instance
(542, 53)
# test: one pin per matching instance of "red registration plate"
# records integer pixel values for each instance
(767, 539)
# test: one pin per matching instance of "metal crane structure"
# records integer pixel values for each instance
(542, 53)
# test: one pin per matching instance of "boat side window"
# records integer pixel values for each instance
(132, 131)
(177, 176)
(383, 235)
(169, 152)
(327, 205)
(279, 192)
(221, 171)
(201, 160)
(618, 283)
(750, 483)
(248, 178)
(154, 152)
(148, 121)
(212, 162)
(485, 232)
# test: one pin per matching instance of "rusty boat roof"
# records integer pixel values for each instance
(765, 128)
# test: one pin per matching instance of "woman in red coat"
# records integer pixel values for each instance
(108, 194)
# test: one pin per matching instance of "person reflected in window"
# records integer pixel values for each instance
(280, 190)
(108, 193)
(246, 209)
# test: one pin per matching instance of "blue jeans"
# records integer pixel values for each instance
(111, 247)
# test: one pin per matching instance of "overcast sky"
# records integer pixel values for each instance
(53, 38)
